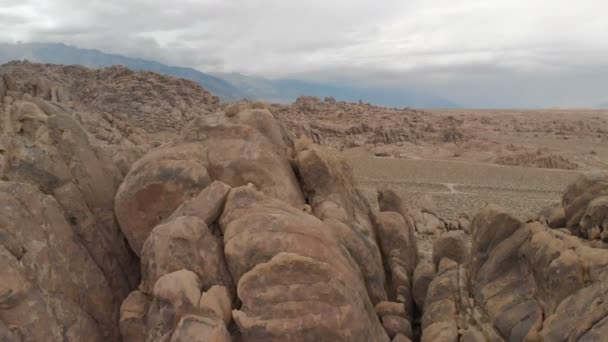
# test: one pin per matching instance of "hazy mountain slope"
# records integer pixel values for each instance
(64, 54)
(228, 86)
(286, 91)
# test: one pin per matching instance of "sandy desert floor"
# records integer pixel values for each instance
(460, 186)
(465, 181)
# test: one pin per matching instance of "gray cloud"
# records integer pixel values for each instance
(477, 52)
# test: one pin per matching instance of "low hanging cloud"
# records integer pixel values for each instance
(477, 52)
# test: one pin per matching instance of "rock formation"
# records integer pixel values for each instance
(229, 229)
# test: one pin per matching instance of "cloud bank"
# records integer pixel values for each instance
(500, 53)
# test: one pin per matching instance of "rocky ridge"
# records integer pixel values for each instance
(230, 229)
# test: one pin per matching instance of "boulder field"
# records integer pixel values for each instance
(229, 229)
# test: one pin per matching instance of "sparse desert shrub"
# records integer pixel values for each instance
(452, 134)
(428, 127)
(485, 120)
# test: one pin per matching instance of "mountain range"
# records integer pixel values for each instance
(228, 86)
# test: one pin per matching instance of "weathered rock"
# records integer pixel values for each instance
(423, 275)
(46, 147)
(453, 245)
(207, 206)
(424, 220)
(390, 200)
(400, 252)
(264, 122)
(184, 243)
(238, 154)
(133, 312)
(51, 287)
(390, 309)
(365, 253)
(533, 282)
(193, 328)
(581, 316)
(297, 298)
(596, 217)
(328, 179)
(294, 281)
(440, 317)
(395, 325)
(156, 185)
(175, 295)
(401, 338)
(464, 224)
(329, 187)
(218, 299)
(554, 217)
(577, 196)
(489, 228)
(441, 332)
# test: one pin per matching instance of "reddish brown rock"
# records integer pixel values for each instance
(395, 325)
(48, 148)
(400, 252)
(330, 189)
(453, 245)
(284, 260)
(207, 205)
(175, 295)
(577, 196)
(238, 154)
(156, 185)
(51, 287)
(184, 243)
(423, 275)
(218, 299)
(133, 312)
(193, 328)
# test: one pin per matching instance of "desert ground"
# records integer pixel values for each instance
(464, 187)
(521, 160)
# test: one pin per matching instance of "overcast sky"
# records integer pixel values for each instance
(475, 52)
